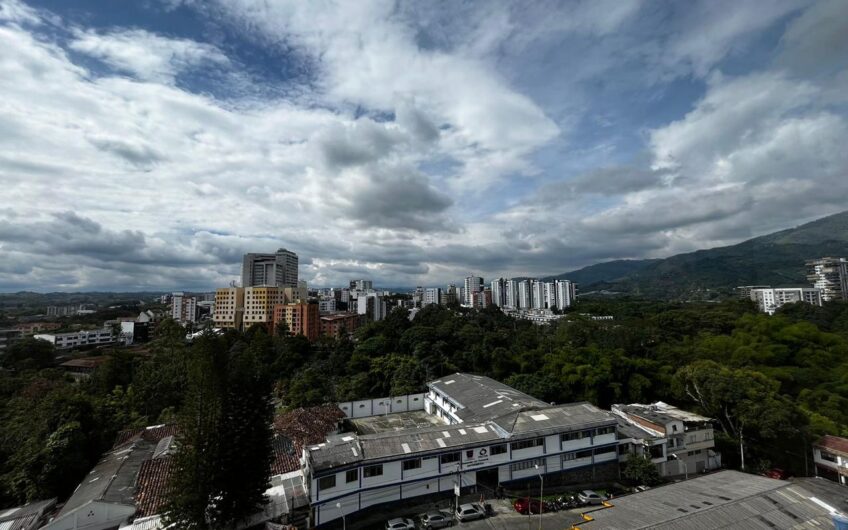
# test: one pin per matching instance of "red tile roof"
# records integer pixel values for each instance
(152, 486)
(834, 443)
(300, 427)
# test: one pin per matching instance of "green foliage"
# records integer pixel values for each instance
(640, 470)
(28, 354)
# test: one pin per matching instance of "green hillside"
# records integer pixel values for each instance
(775, 259)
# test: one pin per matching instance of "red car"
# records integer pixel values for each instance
(776, 473)
(526, 505)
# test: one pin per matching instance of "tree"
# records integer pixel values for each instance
(640, 470)
(29, 354)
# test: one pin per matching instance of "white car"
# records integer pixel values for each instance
(400, 524)
(589, 497)
(469, 512)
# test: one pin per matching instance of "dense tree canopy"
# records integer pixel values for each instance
(773, 383)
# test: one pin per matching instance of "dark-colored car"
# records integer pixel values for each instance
(526, 505)
(436, 520)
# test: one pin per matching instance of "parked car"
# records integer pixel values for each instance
(589, 497)
(776, 473)
(469, 512)
(643, 487)
(436, 520)
(526, 505)
(400, 524)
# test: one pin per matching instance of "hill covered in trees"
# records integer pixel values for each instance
(775, 259)
(778, 382)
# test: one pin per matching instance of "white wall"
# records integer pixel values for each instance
(379, 406)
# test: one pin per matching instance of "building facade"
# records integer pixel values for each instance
(259, 304)
(490, 434)
(831, 276)
(339, 324)
(300, 318)
(76, 339)
(525, 296)
(183, 308)
(830, 454)
(473, 284)
(229, 308)
(278, 270)
(432, 296)
(372, 306)
(769, 300)
(677, 441)
(565, 294)
(9, 337)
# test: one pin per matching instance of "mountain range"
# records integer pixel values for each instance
(775, 259)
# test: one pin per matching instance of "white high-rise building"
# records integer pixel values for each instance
(271, 270)
(768, 300)
(565, 294)
(499, 292)
(550, 295)
(372, 306)
(473, 284)
(537, 290)
(511, 298)
(831, 276)
(432, 295)
(525, 297)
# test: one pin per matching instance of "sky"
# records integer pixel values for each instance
(147, 145)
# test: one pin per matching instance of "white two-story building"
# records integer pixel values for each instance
(830, 453)
(677, 441)
(489, 434)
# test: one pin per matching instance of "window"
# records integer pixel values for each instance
(411, 464)
(497, 449)
(528, 464)
(584, 454)
(828, 456)
(693, 453)
(568, 456)
(587, 434)
(372, 471)
(352, 476)
(449, 458)
(526, 444)
(605, 430)
(325, 483)
(605, 450)
(571, 436)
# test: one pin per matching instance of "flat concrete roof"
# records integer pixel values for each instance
(727, 499)
(481, 398)
(397, 421)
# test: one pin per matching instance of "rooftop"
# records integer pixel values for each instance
(661, 413)
(480, 398)
(350, 448)
(394, 422)
(727, 499)
(833, 443)
(26, 517)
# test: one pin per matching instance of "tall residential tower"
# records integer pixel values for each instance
(270, 270)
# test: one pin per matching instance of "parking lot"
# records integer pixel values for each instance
(505, 517)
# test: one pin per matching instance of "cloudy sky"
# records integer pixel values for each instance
(148, 144)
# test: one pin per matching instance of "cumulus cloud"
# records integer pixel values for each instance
(422, 144)
(145, 55)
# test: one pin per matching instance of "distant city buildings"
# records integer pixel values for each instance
(432, 296)
(831, 276)
(473, 284)
(339, 324)
(9, 337)
(275, 270)
(361, 285)
(300, 318)
(770, 299)
(229, 308)
(65, 341)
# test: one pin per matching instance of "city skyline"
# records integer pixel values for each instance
(149, 146)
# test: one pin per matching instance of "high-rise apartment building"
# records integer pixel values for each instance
(511, 294)
(550, 295)
(183, 308)
(565, 294)
(831, 276)
(473, 284)
(525, 296)
(361, 285)
(229, 308)
(259, 304)
(372, 306)
(300, 318)
(274, 270)
(432, 295)
(499, 292)
(537, 294)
